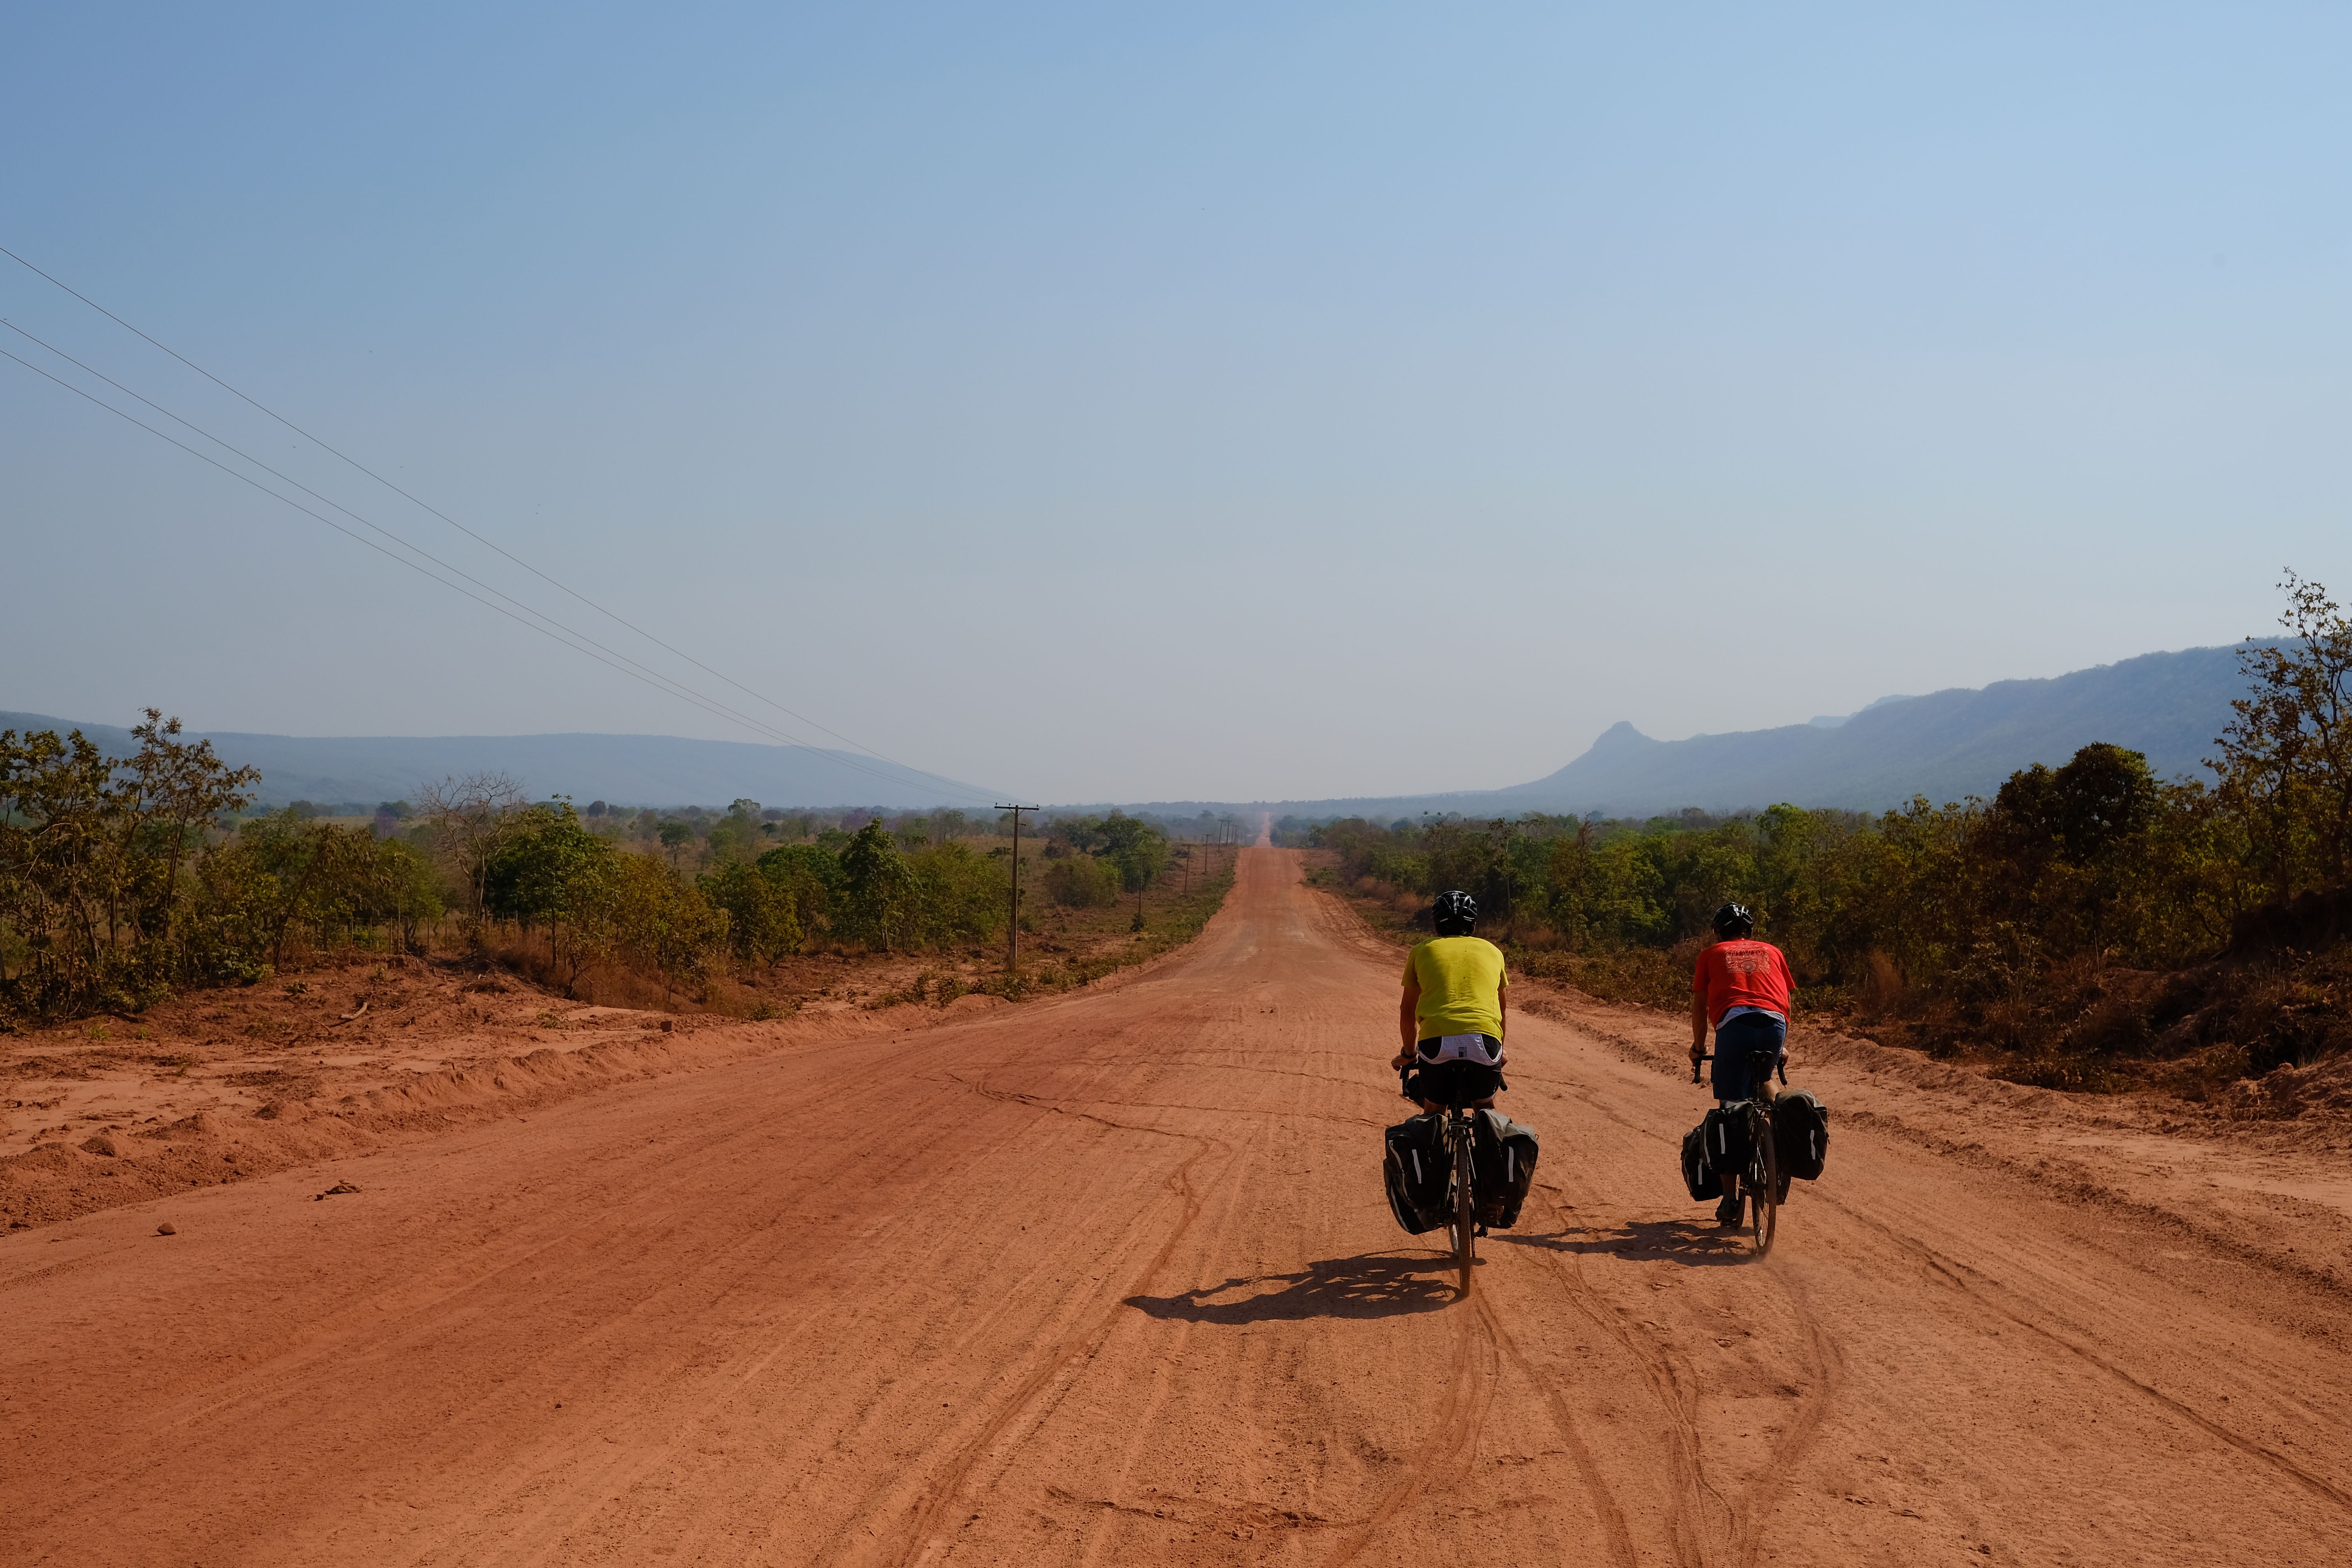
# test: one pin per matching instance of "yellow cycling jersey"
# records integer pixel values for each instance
(1462, 980)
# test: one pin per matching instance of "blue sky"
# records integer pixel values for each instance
(1223, 402)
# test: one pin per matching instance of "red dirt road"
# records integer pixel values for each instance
(1110, 1280)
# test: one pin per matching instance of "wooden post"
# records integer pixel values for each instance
(1013, 925)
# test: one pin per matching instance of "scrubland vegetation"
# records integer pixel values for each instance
(124, 880)
(2091, 926)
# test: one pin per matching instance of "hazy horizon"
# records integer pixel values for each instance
(581, 775)
(1341, 401)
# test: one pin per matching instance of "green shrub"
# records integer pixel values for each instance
(1082, 882)
(811, 877)
(761, 923)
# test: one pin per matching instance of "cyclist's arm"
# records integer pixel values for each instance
(1408, 1026)
(1698, 1025)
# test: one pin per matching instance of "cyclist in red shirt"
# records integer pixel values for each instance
(1741, 986)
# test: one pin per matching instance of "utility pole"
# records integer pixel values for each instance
(1012, 926)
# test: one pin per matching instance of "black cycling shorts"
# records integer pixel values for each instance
(1456, 1084)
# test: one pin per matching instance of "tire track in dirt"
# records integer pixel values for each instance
(1990, 1296)
(1666, 1394)
(1758, 1503)
(1710, 1524)
(633, 1464)
(1444, 1454)
(1214, 1240)
(946, 1492)
(1597, 1490)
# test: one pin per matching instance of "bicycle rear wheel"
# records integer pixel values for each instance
(1763, 1184)
(1466, 1214)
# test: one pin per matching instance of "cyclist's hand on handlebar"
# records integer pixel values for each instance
(1401, 1060)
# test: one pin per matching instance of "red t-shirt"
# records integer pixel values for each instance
(1743, 973)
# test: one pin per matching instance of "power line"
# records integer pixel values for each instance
(563, 634)
(663, 682)
(445, 517)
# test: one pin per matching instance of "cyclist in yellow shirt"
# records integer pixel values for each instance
(1450, 1023)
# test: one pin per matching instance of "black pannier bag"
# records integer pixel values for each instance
(1502, 1166)
(1414, 1170)
(1697, 1175)
(1801, 1134)
(1723, 1139)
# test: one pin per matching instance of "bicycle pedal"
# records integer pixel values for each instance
(1482, 1230)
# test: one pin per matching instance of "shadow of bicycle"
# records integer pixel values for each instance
(1699, 1243)
(1376, 1285)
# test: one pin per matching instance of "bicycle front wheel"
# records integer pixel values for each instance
(1465, 1214)
(1763, 1184)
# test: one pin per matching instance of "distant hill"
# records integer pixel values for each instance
(626, 769)
(1947, 745)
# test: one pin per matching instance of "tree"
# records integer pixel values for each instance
(473, 815)
(761, 922)
(92, 851)
(2100, 799)
(552, 869)
(180, 788)
(878, 888)
(654, 916)
(57, 812)
(674, 837)
(535, 872)
(399, 891)
(1138, 849)
(308, 870)
(1082, 881)
(735, 836)
(958, 894)
(2286, 758)
(810, 877)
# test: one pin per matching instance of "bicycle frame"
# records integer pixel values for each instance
(1759, 1182)
(1457, 1132)
(1461, 1197)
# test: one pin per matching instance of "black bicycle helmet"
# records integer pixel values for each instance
(1734, 920)
(1453, 913)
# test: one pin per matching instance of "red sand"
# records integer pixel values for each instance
(1108, 1279)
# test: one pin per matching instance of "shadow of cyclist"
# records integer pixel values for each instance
(1697, 1244)
(1376, 1285)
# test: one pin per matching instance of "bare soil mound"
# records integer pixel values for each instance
(223, 1086)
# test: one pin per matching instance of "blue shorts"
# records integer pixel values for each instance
(1736, 1041)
